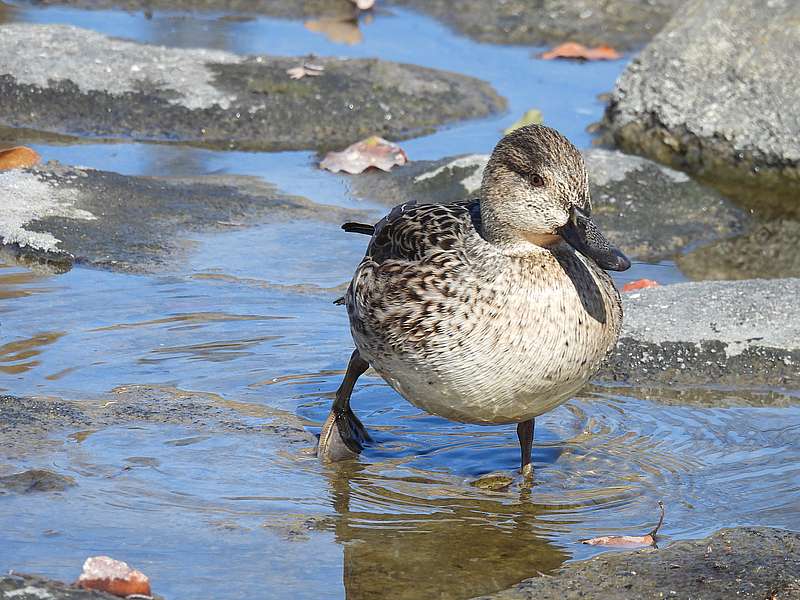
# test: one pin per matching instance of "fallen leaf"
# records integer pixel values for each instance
(371, 152)
(532, 117)
(18, 157)
(306, 69)
(629, 541)
(579, 51)
(639, 284)
(339, 31)
(113, 576)
(363, 4)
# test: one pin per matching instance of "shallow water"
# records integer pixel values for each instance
(249, 318)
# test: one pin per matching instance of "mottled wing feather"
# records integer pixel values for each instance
(413, 231)
(417, 276)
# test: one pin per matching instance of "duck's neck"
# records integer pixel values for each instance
(509, 239)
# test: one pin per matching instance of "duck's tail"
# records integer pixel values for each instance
(359, 228)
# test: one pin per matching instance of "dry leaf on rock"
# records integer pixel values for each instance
(306, 69)
(639, 284)
(339, 31)
(579, 51)
(113, 576)
(371, 152)
(629, 541)
(18, 157)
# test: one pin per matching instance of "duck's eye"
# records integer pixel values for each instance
(537, 180)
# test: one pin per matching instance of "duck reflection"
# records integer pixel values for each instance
(443, 542)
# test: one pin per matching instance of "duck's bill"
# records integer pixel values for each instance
(581, 233)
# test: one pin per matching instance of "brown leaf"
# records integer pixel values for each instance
(371, 152)
(113, 576)
(629, 541)
(306, 69)
(18, 157)
(339, 31)
(579, 51)
(639, 284)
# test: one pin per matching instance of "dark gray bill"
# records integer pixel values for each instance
(581, 233)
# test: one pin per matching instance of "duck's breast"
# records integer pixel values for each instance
(499, 344)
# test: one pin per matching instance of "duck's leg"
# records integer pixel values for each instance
(525, 435)
(343, 436)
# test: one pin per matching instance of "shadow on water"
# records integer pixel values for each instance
(442, 547)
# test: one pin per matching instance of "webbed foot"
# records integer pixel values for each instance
(343, 436)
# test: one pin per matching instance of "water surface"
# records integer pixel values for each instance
(249, 319)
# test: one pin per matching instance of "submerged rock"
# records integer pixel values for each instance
(712, 94)
(745, 562)
(60, 215)
(649, 211)
(76, 81)
(35, 480)
(720, 332)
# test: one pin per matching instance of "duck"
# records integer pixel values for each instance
(493, 310)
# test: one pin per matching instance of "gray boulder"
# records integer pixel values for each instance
(60, 215)
(76, 81)
(715, 93)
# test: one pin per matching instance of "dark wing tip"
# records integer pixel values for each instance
(359, 228)
(339, 301)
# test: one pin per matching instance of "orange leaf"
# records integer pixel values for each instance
(18, 157)
(371, 152)
(639, 284)
(579, 51)
(113, 576)
(629, 541)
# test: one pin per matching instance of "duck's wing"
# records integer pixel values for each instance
(413, 231)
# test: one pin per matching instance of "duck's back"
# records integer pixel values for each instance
(464, 331)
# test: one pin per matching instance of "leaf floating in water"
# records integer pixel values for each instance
(639, 284)
(371, 152)
(580, 52)
(113, 576)
(532, 117)
(305, 70)
(18, 157)
(629, 541)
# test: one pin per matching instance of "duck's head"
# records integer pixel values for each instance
(536, 190)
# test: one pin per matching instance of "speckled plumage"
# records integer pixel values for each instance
(465, 331)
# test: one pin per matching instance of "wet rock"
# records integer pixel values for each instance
(294, 9)
(76, 81)
(33, 587)
(745, 562)
(61, 215)
(35, 480)
(711, 95)
(720, 332)
(766, 251)
(650, 211)
(621, 23)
